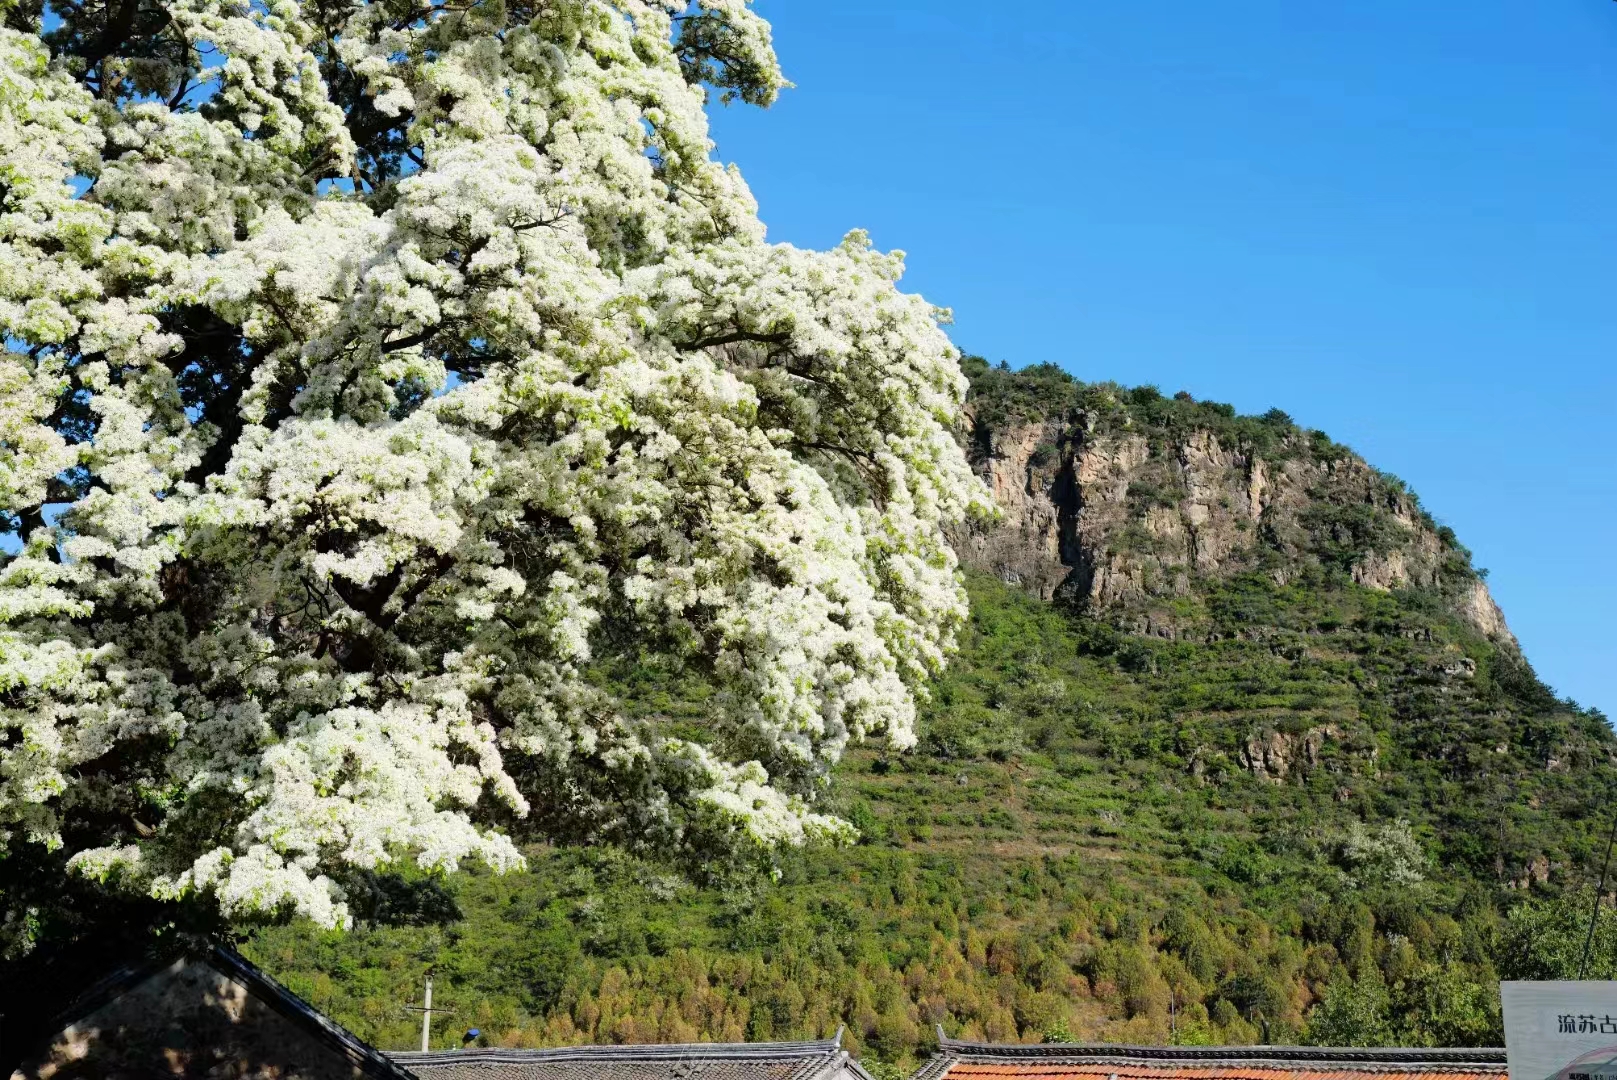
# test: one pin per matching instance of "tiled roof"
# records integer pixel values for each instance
(821, 1060)
(957, 1060)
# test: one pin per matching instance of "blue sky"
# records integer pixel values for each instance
(1396, 221)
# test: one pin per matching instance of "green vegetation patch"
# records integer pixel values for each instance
(1320, 821)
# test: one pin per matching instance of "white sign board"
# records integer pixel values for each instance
(1560, 1030)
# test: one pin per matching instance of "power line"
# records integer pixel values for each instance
(1594, 912)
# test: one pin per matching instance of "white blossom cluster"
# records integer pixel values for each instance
(389, 371)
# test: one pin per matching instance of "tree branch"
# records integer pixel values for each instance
(411, 340)
(732, 338)
(420, 585)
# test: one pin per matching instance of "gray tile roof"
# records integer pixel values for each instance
(820, 1060)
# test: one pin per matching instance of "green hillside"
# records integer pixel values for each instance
(1315, 811)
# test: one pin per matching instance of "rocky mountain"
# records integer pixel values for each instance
(1121, 501)
(1237, 746)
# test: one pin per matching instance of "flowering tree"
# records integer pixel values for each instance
(380, 377)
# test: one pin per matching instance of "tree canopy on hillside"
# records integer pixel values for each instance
(380, 381)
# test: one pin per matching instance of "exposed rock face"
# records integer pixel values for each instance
(1535, 872)
(1277, 755)
(1124, 521)
(1032, 482)
(1480, 611)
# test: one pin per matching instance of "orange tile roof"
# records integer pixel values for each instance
(957, 1060)
(966, 1070)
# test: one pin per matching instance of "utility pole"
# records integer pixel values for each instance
(425, 1009)
(426, 1017)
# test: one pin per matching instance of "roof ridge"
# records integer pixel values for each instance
(763, 1051)
(823, 1068)
(937, 1066)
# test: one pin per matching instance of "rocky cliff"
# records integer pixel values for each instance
(1124, 502)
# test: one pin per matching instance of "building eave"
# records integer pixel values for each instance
(817, 1059)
